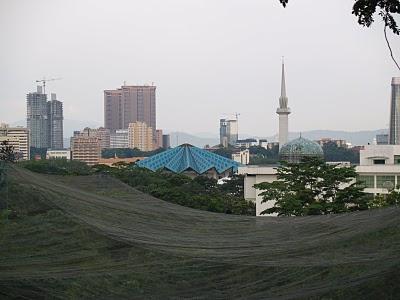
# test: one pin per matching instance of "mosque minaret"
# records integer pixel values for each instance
(283, 111)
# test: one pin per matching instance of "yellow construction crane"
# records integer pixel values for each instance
(44, 80)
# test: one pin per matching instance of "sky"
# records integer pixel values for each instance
(208, 58)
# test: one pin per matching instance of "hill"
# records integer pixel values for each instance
(94, 237)
(355, 137)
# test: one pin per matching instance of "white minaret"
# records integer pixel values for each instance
(283, 111)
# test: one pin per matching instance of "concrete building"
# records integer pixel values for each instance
(338, 142)
(18, 137)
(55, 118)
(119, 139)
(101, 133)
(159, 139)
(130, 104)
(246, 143)
(140, 136)
(228, 132)
(86, 149)
(394, 122)
(166, 141)
(283, 111)
(242, 157)
(37, 119)
(263, 143)
(58, 154)
(382, 139)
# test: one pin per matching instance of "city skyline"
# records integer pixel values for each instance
(200, 76)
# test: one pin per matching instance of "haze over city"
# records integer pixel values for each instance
(209, 59)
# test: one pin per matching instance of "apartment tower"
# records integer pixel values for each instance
(394, 125)
(37, 118)
(140, 136)
(55, 123)
(130, 104)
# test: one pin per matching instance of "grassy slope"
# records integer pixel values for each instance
(45, 253)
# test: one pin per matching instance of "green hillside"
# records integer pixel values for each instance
(93, 237)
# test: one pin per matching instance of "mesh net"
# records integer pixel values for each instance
(95, 237)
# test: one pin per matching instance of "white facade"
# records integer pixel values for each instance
(242, 157)
(58, 154)
(119, 139)
(18, 138)
(379, 170)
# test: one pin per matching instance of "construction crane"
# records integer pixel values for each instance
(234, 114)
(44, 80)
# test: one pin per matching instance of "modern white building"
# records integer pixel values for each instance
(283, 111)
(119, 139)
(242, 157)
(58, 154)
(246, 143)
(379, 170)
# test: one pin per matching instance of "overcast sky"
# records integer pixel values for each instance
(208, 58)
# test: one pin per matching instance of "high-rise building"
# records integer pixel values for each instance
(18, 137)
(130, 104)
(283, 111)
(159, 139)
(119, 139)
(140, 136)
(55, 123)
(166, 141)
(37, 118)
(394, 126)
(228, 132)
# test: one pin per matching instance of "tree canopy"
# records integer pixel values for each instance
(313, 187)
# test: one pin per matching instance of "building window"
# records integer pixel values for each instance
(397, 159)
(379, 161)
(368, 181)
(385, 182)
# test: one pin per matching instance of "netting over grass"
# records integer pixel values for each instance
(95, 237)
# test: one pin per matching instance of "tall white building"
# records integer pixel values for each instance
(119, 139)
(283, 111)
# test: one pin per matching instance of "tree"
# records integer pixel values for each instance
(334, 153)
(313, 188)
(7, 152)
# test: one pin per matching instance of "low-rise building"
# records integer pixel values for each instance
(18, 137)
(111, 162)
(263, 143)
(246, 143)
(119, 139)
(58, 154)
(86, 149)
(338, 142)
(242, 157)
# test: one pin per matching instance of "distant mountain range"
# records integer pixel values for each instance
(205, 138)
(354, 137)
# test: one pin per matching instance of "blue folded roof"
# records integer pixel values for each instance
(188, 157)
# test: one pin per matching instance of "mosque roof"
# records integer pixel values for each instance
(188, 157)
(300, 147)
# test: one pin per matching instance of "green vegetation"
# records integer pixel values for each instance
(40, 152)
(128, 153)
(334, 153)
(199, 193)
(57, 167)
(313, 188)
(262, 156)
(7, 152)
(103, 240)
